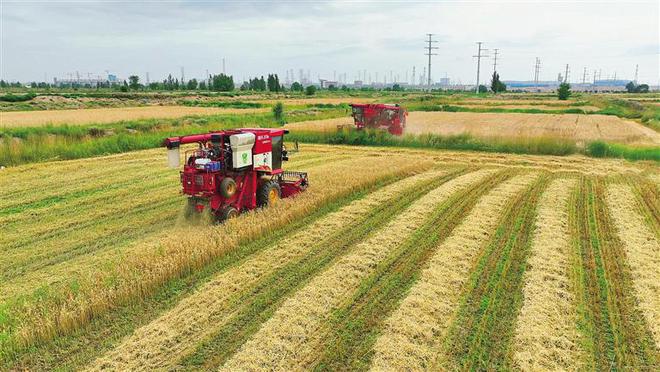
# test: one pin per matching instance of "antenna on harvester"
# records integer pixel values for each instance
(479, 57)
(429, 53)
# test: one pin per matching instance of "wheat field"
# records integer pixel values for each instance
(580, 128)
(109, 115)
(393, 259)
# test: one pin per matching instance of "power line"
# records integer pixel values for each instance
(430, 53)
(479, 56)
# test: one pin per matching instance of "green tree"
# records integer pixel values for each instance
(278, 113)
(134, 82)
(222, 83)
(397, 88)
(496, 85)
(642, 88)
(273, 83)
(483, 88)
(296, 87)
(631, 88)
(310, 90)
(192, 84)
(564, 91)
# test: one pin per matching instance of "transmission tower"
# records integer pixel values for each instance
(413, 76)
(495, 61)
(636, 73)
(566, 74)
(429, 53)
(182, 75)
(479, 56)
(584, 76)
(537, 69)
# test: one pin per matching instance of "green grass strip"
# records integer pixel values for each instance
(614, 330)
(355, 327)
(105, 331)
(481, 335)
(258, 305)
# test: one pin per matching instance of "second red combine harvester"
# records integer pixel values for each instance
(391, 117)
(235, 170)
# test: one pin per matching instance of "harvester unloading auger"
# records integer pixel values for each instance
(391, 117)
(235, 170)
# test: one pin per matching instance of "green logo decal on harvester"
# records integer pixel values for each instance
(245, 157)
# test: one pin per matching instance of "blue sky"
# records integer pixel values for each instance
(54, 38)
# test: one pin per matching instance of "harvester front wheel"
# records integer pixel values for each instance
(227, 213)
(228, 187)
(269, 193)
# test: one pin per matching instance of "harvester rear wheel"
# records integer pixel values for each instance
(228, 187)
(227, 213)
(269, 193)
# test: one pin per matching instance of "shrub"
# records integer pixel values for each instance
(278, 113)
(564, 91)
(310, 90)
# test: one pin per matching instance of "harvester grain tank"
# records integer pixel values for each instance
(390, 117)
(232, 171)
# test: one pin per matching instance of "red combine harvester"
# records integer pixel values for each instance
(235, 170)
(382, 116)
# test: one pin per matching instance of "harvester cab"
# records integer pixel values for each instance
(390, 117)
(233, 171)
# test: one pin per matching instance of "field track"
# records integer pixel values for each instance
(393, 259)
(109, 115)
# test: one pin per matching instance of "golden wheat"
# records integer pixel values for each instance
(109, 115)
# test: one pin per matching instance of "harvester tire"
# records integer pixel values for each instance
(228, 187)
(269, 193)
(227, 213)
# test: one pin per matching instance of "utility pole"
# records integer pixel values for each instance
(584, 76)
(147, 78)
(636, 73)
(182, 75)
(478, 57)
(223, 66)
(423, 77)
(495, 61)
(594, 76)
(566, 74)
(429, 53)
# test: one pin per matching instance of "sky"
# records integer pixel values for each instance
(45, 39)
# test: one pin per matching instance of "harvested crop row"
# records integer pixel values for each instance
(199, 315)
(642, 249)
(257, 306)
(413, 333)
(352, 331)
(546, 338)
(149, 267)
(481, 334)
(615, 332)
(288, 338)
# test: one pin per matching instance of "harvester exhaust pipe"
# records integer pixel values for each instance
(173, 154)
